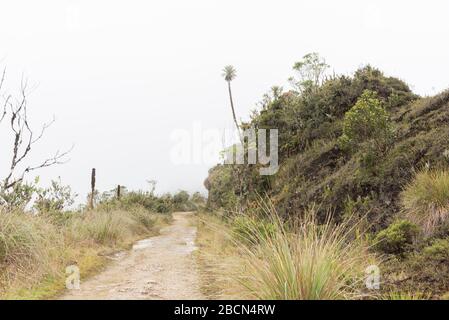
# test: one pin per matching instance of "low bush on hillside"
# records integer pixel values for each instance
(367, 120)
(397, 238)
(438, 250)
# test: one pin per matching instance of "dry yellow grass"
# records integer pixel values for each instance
(35, 250)
(218, 258)
(309, 261)
(426, 199)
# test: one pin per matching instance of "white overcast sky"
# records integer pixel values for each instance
(121, 76)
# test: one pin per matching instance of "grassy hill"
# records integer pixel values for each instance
(362, 146)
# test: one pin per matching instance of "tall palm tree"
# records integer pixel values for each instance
(229, 74)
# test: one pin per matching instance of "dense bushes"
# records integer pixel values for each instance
(391, 134)
(397, 238)
(312, 117)
(166, 203)
(438, 250)
(367, 120)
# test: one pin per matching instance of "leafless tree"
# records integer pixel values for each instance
(24, 138)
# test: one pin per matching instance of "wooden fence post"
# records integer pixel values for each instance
(118, 192)
(92, 192)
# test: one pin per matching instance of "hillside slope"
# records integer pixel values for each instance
(365, 180)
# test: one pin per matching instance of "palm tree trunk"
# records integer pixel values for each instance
(233, 112)
(239, 172)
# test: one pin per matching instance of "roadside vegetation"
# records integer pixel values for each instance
(263, 257)
(365, 153)
(38, 244)
(35, 250)
(42, 232)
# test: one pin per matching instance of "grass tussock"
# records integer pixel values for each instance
(36, 249)
(309, 261)
(27, 246)
(426, 199)
(304, 260)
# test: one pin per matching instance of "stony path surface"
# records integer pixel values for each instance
(160, 267)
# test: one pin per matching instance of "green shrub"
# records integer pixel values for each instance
(426, 199)
(56, 198)
(397, 238)
(367, 120)
(131, 200)
(438, 251)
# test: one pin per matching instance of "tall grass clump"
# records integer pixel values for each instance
(111, 227)
(307, 261)
(251, 230)
(27, 247)
(36, 247)
(425, 199)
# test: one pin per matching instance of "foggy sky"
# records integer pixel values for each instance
(121, 76)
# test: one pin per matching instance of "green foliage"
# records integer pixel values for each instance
(17, 197)
(311, 70)
(370, 180)
(181, 201)
(438, 250)
(367, 120)
(229, 73)
(221, 184)
(132, 199)
(55, 198)
(397, 238)
(181, 197)
(165, 203)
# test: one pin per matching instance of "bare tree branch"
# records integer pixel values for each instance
(24, 138)
(3, 114)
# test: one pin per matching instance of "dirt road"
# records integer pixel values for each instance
(160, 267)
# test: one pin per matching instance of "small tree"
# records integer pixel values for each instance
(311, 71)
(55, 198)
(181, 197)
(367, 120)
